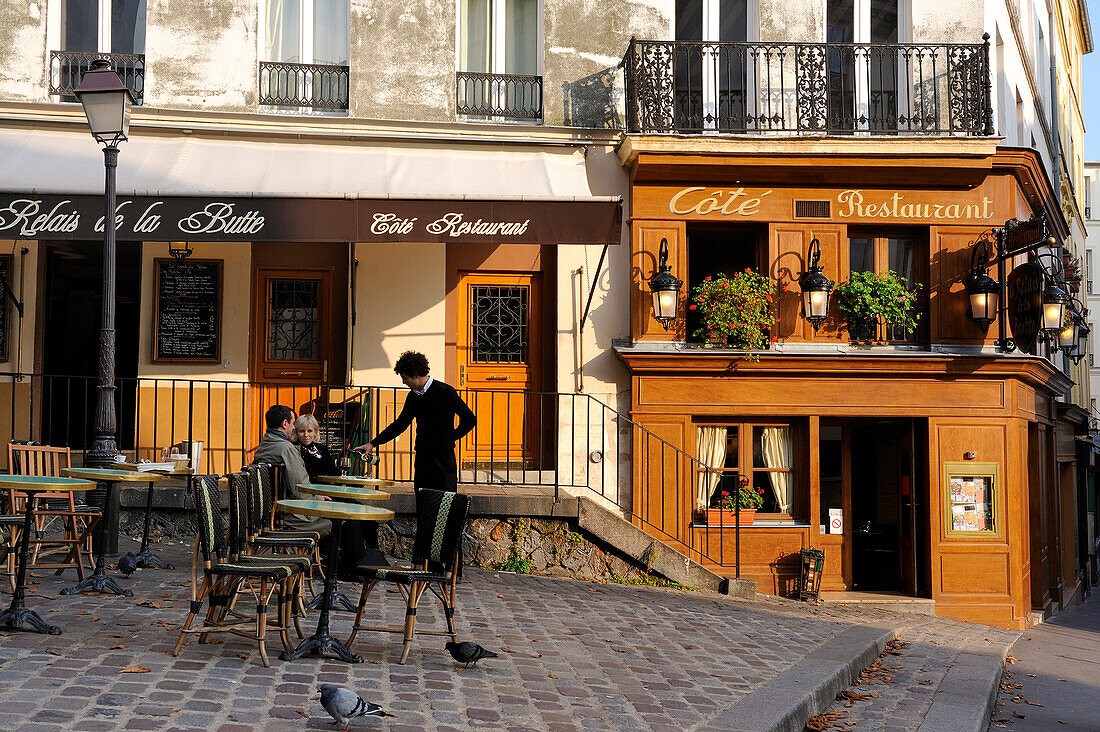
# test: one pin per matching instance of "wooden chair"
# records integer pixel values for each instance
(440, 519)
(77, 520)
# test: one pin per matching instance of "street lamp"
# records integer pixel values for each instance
(107, 103)
(1054, 308)
(665, 288)
(815, 288)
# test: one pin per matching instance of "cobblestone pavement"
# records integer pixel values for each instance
(574, 656)
(909, 673)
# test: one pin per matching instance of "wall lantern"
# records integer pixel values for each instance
(179, 250)
(984, 291)
(665, 288)
(815, 288)
(1082, 340)
(1067, 336)
(1054, 309)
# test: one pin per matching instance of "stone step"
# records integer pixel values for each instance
(892, 601)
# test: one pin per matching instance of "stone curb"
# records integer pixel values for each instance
(809, 687)
(965, 699)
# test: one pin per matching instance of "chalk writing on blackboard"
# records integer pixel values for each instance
(187, 310)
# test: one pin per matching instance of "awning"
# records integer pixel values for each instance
(179, 188)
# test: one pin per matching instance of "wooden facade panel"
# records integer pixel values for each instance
(769, 555)
(1000, 614)
(643, 265)
(866, 396)
(655, 489)
(948, 302)
(789, 245)
(977, 573)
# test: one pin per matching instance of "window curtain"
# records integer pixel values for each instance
(128, 26)
(710, 446)
(283, 30)
(776, 445)
(330, 32)
(474, 36)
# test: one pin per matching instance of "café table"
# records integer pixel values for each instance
(145, 558)
(344, 493)
(321, 642)
(17, 613)
(362, 481)
(107, 480)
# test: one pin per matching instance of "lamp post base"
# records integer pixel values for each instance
(17, 616)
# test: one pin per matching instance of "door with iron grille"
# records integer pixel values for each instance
(499, 352)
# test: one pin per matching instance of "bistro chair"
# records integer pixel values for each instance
(262, 536)
(223, 577)
(77, 520)
(440, 518)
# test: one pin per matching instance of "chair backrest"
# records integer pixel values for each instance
(238, 532)
(33, 459)
(440, 518)
(261, 496)
(210, 520)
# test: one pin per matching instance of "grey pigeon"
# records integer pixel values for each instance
(127, 564)
(342, 704)
(468, 653)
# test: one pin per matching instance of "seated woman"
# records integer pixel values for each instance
(315, 455)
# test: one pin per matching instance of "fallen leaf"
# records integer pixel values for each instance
(302, 713)
(150, 603)
(119, 647)
(82, 612)
(553, 676)
(937, 643)
(134, 670)
(1033, 675)
(1034, 704)
(215, 641)
(536, 655)
(95, 618)
(1010, 659)
(750, 635)
(501, 596)
(243, 656)
(113, 635)
(1061, 721)
(507, 650)
(1017, 715)
(52, 652)
(574, 632)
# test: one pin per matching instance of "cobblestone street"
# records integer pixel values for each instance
(573, 656)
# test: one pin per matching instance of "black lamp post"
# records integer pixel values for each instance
(815, 288)
(107, 104)
(665, 288)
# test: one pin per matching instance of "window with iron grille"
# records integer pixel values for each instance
(91, 29)
(305, 63)
(293, 326)
(499, 323)
(499, 60)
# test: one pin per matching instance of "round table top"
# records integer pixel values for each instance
(31, 483)
(335, 510)
(111, 475)
(357, 480)
(343, 491)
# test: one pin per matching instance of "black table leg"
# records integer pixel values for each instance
(336, 600)
(17, 613)
(321, 642)
(146, 558)
(98, 581)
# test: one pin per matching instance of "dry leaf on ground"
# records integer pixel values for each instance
(302, 713)
(134, 670)
(828, 720)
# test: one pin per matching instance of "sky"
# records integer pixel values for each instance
(1090, 87)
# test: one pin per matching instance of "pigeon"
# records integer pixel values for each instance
(342, 704)
(127, 564)
(468, 653)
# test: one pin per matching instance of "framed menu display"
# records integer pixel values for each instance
(187, 310)
(971, 499)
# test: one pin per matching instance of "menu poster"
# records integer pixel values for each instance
(971, 503)
(187, 310)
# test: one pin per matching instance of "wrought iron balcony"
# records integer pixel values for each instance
(507, 96)
(314, 86)
(691, 87)
(68, 67)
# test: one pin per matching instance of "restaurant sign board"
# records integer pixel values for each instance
(142, 218)
(1025, 305)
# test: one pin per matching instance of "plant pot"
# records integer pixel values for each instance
(863, 331)
(725, 517)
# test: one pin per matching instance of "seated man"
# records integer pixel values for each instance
(276, 449)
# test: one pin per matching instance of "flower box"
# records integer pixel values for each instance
(725, 517)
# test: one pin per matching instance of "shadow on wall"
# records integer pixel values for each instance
(595, 101)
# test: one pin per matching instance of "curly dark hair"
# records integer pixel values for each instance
(278, 414)
(411, 363)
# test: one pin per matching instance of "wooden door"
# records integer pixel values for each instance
(299, 322)
(499, 351)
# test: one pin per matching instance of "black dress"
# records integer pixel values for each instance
(318, 462)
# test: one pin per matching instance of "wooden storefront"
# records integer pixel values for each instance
(885, 440)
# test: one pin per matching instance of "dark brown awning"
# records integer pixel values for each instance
(28, 216)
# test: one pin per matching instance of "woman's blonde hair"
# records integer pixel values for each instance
(308, 421)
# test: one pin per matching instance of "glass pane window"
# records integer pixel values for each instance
(499, 323)
(766, 461)
(307, 32)
(330, 32)
(127, 26)
(80, 25)
(294, 331)
(103, 26)
(499, 36)
(904, 255)
(861, 254)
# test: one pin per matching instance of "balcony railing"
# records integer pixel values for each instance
(313, 86)
(68, 67)
(691, 87)
(505, 96)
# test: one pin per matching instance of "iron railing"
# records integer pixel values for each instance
(547, 440)
(507, 96)
(67, 69)
(694, 87)
(315, 86)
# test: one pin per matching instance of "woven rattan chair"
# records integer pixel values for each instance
(440, 518)
(225, 572)
(262, 536)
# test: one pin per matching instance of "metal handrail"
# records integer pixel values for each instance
(509, 96)
(315, 86)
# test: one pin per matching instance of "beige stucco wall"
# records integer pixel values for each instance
(236, 309)
(935, 21)
(23, 38)
(399, 307)
(202, 55)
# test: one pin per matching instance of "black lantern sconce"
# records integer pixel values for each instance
(984, 291)
(815, 288)
(1055, 300)
(179, 250)
(665, 288)
(1083, 331)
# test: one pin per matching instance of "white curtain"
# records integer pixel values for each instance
(474, 35)
(521, 37)
(330, 32)
(283, 30)
(776, 446)
(710, 446)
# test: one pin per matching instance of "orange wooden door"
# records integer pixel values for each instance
(296, 328)
(499, 352)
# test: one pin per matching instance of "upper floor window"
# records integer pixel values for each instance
(307, 32)
(712, 85)
(864, 81)
(901, 252)
(103, 26)
(499, 36)
(714, 250)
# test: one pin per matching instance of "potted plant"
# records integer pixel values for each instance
(750, 500)
(868, 298)
(737, 311)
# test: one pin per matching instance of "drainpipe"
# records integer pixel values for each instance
(1056, 162)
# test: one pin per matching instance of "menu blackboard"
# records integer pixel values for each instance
(187, 310)
(5, 305)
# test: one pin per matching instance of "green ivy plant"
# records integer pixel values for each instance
(739, 309)
(870, 296)
(515, 561)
